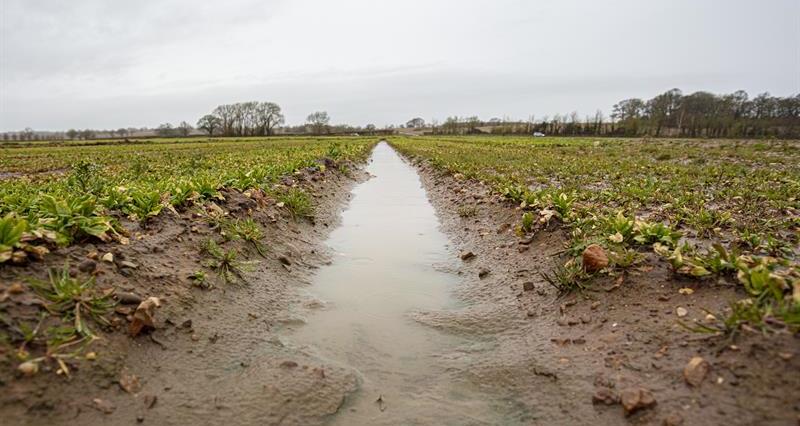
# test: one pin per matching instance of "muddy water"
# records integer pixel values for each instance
(388, 265)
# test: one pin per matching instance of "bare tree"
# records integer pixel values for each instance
(87, 134)
(209, 123)
(318, 121)
(185, 129)
(268, 117)
(165, 130)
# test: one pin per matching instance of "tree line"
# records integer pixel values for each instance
(704, 114)
(670, 114)
(242, 119)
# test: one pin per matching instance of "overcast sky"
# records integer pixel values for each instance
(109, 64)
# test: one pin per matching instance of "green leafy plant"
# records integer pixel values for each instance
(562, 203)
(622, 225)
(200, 279)
(247, 230)
(225, 262)
(85, 178)
(74, 300)
(297, 202)
(145, 205)
(466, 211)
(11, 231)
(528, 220)
(568, 277)
(74, 218)
(624, 258)
(649, 233)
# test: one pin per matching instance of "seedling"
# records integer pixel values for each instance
(74, 300)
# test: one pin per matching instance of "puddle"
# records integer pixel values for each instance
(388, 264)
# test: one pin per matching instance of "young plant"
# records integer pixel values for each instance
(297, 202)
(624, 258)
(466, 211)
(11, 231)
(145, 205)
(528, 220)
(568, 277)
(200, 279)
(74, 218)
(247, 230)
(620, 227)
(650, 233)
(562, 203)
(74, 300)
(224, 262)
(85, 178)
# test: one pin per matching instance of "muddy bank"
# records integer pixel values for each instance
(213, 356)
(610, 355)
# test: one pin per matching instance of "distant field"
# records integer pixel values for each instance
(711, 208)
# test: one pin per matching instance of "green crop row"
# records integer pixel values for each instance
(726, 209)
(52, 195)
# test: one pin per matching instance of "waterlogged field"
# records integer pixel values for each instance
(715, 210)
(53, 195)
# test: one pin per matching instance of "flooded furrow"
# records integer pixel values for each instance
(388, 265)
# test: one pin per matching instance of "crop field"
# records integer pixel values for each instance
(714, 210)
(667, 257)
(59, 195)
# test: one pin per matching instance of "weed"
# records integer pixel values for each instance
(568, 277)
(74, 300)
(528, 221)
(225, 262)
(247, 230)
(200, 279)
(297, 202)
(466, 211)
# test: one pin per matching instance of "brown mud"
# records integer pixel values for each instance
(569, 359)
(213, 356)
(224, 355)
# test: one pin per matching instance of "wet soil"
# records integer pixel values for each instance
(392, 262)
(497, 345)
(568, 359)
(213, 356)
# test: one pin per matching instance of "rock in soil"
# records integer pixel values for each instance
(28, 368)
(467, 255)
(143, 317)
(528, 286)
(673, 419)
(695, 371)
(605, 396)
(87, 266)
(129, 382)
(594, 258)
(103, 406)
(126, 298)
(635, 399)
